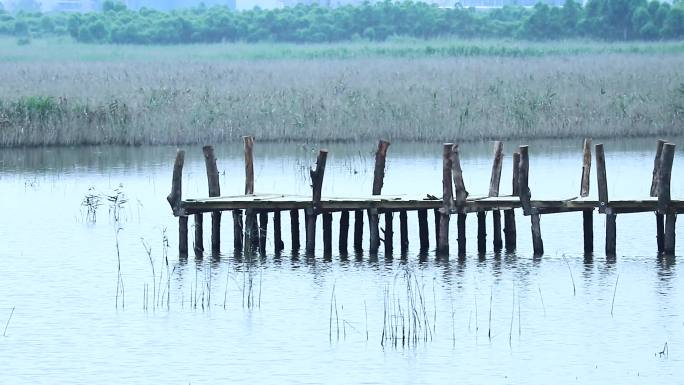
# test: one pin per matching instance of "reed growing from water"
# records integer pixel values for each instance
(468, 98)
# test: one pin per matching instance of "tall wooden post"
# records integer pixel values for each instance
(214, 191)
(460, 197)
(510, 233)
(447, 200)
(312, 212)
(601, 178)
(523, 180)
(588, 214)
(251, 225)
(199, 233)
(660, 218)
(481, 232)
(175, 199)
(664, 178)
(494, 183)
(378, 179)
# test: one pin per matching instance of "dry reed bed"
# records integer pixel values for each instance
(327, 100)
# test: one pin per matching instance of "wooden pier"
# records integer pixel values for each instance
(250, 234)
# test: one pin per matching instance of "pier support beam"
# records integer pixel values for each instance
(389, 233)
(344, 231)
(537, 243)
(183, 236)
(403, 231)
(587, 215)
(277, 232)
(588, 228)
(199, 233)
(263, 227)
(174, 198)
(327, 234)
(461, 231)
(611, 233)
(237, 229)
(358, 231)
(481, 232)
(423, 230)
(294, 229)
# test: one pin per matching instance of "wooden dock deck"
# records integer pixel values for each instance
(251, 234)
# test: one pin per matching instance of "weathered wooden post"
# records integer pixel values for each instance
(237, 230)
(510, 233)
(460, 196)
(481, 232)
(199, 233)
(588, 214)
(378, 178)
(447, 200)
(611, 216)
(437, 216)
(525, 195)
(251, 225)
(423, 230)
(294, 228)
(403, 231)
(175, 198)
(263, 227)
(312, 212)
(389, 233)
(358, 231)
(344, 231)
(277, 232)
(327, 233)
(664, 178)
(660, 222)
(494, 183)
(214, 191)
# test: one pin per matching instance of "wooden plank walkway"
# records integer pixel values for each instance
(251, 231)
(277, 202)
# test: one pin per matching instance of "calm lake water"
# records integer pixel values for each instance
(497, 319)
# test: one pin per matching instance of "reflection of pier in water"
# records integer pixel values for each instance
(251, 233)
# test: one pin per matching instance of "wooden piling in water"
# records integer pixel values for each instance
(494, 183)
(403, 231)
(344, 231)
(237, 229)
(251, 231)
(523, 180)
(389, 233)
(251, 226)
(664, 178)
(199, 233)
(214, 191)
(378, 180)
(601, 178)
(277, 232)
(660, 218)
(481, 232)
(611, 232)
(461, 233)
(263, 227)
(294, 229)
(358, 231)
(311, 213)
(249, 164)
(327, 233)
(423, 230)
(537, 243)
(587, 215)
(437, 217)
(183, 236)
(447, 201)
(510, 233)
(174, 198)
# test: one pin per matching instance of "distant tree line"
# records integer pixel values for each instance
(599, 19)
